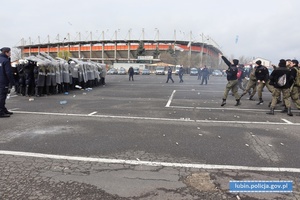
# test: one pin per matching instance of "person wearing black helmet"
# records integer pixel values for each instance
(6, 80)
(232, 79)
(282, 80)
(295, 74)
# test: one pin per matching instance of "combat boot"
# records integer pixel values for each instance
(26, 91)
(284, 110)
(271, 112)
(238, 102)
(260, 101)
(251, 98)
(223, 102)
(47, 90)
(289, 112)
(37, 92)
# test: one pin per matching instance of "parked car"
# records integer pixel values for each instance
(112, 71)
(160, 71)
(177, 70)
(122, 71)
(136, 70)
(217, 72)
(194, 72)
(146, 72)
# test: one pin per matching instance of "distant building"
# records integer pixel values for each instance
(264, 62)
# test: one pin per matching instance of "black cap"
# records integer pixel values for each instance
(5, 49)
(235, 61)
(295, 62)
(282, 63)
(258, 62)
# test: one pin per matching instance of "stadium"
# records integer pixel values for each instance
(187, 52)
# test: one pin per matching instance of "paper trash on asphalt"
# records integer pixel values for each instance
(78, 87)
(63, 102)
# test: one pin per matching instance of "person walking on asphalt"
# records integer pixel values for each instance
(262, 77)
(232, 83)
(170, 75)
(131, 72)
(282, 80)
(205, 74)
(180, 74)
(6, 80)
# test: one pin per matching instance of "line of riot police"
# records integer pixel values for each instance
(41, 74)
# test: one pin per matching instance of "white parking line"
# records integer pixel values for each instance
(287, 121)
(170, 99)
(149, 163)
(157, 119)
(92, 113)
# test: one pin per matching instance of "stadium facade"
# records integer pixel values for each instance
(109, 51)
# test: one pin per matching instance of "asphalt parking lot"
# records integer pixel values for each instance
(145, 139)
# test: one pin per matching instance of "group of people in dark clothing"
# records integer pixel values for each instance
(283, 83)
(43, 75)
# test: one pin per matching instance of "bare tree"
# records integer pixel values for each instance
(16, 54)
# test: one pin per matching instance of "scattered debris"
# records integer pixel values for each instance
(31, 99)
(219, 136)
(176, 143)
(84, 93)
(281, 143)
(63, 102)
(237, 197)
(198, 128)
(270, 145)
(137, 159)
(74, 95)
(164, 135)
(200, 134)
(78, 87)
(66, 93)
(247, 145)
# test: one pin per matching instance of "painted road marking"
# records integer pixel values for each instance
(210, 108)
(150, 163)
(170, 99)
(287, 121)
(157, 119)
(92, 113)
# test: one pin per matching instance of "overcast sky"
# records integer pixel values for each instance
(251, 28)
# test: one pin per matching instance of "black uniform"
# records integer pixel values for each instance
(6, 80)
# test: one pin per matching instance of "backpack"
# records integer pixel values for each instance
(239, 74)
(297, 78)
(281, 80)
